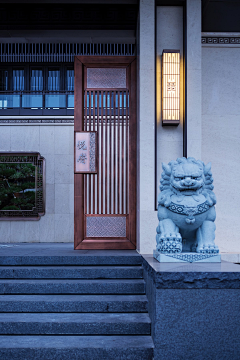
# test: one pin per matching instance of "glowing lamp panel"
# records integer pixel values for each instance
(171, 87)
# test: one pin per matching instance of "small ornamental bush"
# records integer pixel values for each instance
(17, 186)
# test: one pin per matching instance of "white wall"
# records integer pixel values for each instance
(169, 36)
(146, 216)
(193, 83)
(55, 143)
(220, 138)
(169, 139)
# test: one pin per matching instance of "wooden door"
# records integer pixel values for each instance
(105, 199)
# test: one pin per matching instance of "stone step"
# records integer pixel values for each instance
(76, 258)
(73, 303)
(74, 324)
(76, 347)
(71, 272)
(66, 286)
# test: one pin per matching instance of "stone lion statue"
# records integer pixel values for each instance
(186, 210)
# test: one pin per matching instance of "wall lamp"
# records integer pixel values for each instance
(171, 87)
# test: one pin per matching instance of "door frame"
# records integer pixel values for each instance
(80, 63)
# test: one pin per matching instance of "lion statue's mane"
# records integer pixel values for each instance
(167, 190)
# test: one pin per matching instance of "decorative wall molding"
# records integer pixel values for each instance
(222, 40)
(36, 121)
(60, 52)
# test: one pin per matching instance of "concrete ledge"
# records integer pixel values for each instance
(194, 309)
(232, 257)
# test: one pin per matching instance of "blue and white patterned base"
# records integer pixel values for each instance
(186, 257)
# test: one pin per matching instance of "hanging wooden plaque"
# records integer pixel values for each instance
(85, 152)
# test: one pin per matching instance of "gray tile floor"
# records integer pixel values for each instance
(56, 249)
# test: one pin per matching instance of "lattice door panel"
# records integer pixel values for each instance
(107, 208)
(107, 112)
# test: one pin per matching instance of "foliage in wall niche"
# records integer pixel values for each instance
(22, 186)
(17, 186)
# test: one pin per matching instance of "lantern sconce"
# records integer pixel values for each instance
(171, 87)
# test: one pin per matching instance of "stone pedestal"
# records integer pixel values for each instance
(186, 257)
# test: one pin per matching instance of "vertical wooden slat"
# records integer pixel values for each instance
(86, 192)
(110, 151)
(94, 204)
(127, 154)
(106, 156)
(118, 166)
(114, 162)
(102, 152)
(98, 177)
(90, 175)
(123, 160)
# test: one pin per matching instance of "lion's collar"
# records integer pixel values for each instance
(189, 210)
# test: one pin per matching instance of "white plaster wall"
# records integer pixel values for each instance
(146, 216)
(194, 91)
(55, 144)
(169, 36)
(169, 140)
(220, 138)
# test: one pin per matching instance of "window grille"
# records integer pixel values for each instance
(37, 87)
(32, 52)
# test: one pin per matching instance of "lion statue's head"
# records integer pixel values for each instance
(185, 177)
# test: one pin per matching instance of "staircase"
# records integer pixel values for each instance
(74, 307)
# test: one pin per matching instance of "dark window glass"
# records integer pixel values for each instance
(221, 16)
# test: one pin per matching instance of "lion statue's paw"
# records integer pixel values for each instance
(208, 249)
(170, 243)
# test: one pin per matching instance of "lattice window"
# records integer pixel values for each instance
(106, 78)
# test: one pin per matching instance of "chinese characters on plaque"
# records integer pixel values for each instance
(86, 152)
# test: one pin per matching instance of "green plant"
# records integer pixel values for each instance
(17, 186)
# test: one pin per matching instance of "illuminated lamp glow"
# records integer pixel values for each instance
(170, 87)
